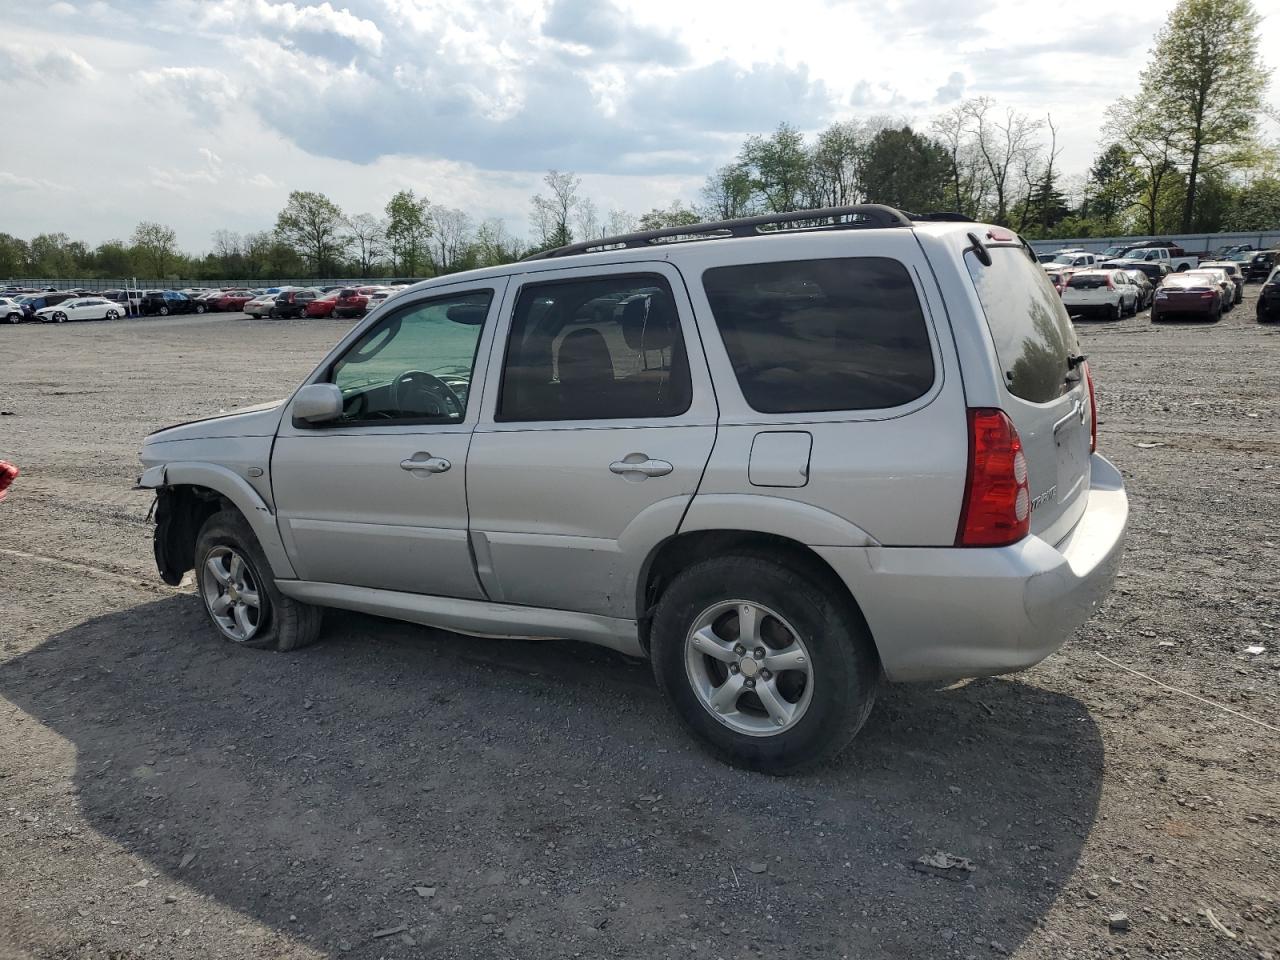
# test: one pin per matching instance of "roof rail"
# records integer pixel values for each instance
(859, 216)
(941, 217)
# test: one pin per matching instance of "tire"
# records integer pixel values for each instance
(271, 314)
(1216, 315)
(281, 623)
(1116, 311)
(1183, 268)
(163, 311)
(832, 700)
(199, 308)
(59, 317)
(13, 318)
(111, 315)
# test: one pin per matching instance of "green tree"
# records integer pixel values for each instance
(52, 255)
(1112, 187)
(407, 232)
(312, 225)
(676, 215)
(1257, 206)
(15, 256)
(155, 247)
(905, 170)
(836, 163)
(729, 193)
(779, 165)
(113, 259)
(1206, 82)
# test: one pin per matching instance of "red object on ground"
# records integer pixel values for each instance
(8, 474)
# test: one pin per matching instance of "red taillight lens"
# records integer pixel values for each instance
(1093, 410)
(8, 474)
(997, 498)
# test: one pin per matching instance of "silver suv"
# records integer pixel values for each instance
(781, 457)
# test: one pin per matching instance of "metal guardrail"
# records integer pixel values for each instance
(1191, 242)
(128, 283)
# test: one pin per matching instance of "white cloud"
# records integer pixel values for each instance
(291, 18)
(19, 64)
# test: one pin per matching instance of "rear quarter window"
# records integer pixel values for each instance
(807, 336)
(1028, 323)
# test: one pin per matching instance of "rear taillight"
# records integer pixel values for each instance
(8, 474)
(1093, 410)
(1111, 284)
(997, 498)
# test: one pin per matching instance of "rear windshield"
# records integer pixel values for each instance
(1029, 324)
(818, 335)
(1087, 282)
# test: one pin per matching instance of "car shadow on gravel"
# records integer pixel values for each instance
(544, 800)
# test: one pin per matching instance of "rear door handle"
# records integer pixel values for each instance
(638, 466)
(429, 463)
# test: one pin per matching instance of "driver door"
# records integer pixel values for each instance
(377, 497)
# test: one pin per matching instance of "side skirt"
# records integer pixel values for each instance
(479, 618)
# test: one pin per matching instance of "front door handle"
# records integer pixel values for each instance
(428, 463)
(637, 466)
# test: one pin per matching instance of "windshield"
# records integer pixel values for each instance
(1064, 258)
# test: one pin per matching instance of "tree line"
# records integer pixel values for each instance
(1183, 154)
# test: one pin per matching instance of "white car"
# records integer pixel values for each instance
(86, 308)
(1077, 261)
(10, 310)
(1111, 293)
(1232, 270)
(259, 307)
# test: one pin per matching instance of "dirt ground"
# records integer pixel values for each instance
(398, 792)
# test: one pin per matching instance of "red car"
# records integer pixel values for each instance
(323, 307)
(352, 301)
(233, 300)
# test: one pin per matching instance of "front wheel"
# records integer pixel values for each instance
(112, 315)
(59, 317)
(163, 311)
(199, 308)
(767, 665)
(13, 318)
(239, 592)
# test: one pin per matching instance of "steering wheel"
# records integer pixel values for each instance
(417, 391)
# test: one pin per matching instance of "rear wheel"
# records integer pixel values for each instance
(163, 311)
(239, 593)
(199, 308)
(767, 665)
(1116, 311)
(13, 318)
(112, 315)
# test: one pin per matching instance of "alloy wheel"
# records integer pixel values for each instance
(232, 594)
(749, 668)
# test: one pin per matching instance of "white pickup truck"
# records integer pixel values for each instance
(1157, 255)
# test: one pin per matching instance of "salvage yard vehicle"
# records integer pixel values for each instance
(1269, 298)
(1260, 265)
(1110, 293)
(1232, 270)
(11, 310)
(293, 302)
(1224, 282)
(782, 458)
(1146, 289)
(1178, 263)
(1188, 294)
(164, 302)
(83, 308)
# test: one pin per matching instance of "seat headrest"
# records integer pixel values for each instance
(648, 323)
(584, 356)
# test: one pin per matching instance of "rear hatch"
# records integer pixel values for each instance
(1046, 395)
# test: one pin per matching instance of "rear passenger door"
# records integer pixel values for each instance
(596, 425)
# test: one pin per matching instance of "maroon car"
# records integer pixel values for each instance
(233, 300)
(352, 301)
(1190, 296)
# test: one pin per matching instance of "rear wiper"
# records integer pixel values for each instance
(1075, 359)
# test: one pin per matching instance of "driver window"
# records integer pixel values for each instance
(415, 365)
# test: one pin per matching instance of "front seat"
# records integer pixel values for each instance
(585, 369)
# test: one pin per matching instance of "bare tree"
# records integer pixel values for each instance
(952, 129)
(619, 222)
(1003, 146)
(587, 220)
(552, 213)
(367, 236)
(450, 238)
(228, 247)
(494, 245)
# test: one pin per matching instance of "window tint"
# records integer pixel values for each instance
(595, 349)
(818, 335)
(415, 364)
(1029, 324)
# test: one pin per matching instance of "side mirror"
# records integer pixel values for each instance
(318, 403)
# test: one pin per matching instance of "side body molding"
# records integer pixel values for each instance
(792, 519)
(236, 489)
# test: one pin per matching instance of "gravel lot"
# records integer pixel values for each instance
(400, 792)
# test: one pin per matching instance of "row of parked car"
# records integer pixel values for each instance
(1161, 276)
(58, 306)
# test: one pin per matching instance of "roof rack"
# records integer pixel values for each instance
(859, 216)
(941, 217)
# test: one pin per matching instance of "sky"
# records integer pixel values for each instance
(204, 114)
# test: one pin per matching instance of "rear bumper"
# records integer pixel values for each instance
(944, 614)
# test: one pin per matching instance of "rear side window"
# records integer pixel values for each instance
(808, 336)
(598, 348)
(1029, 324)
